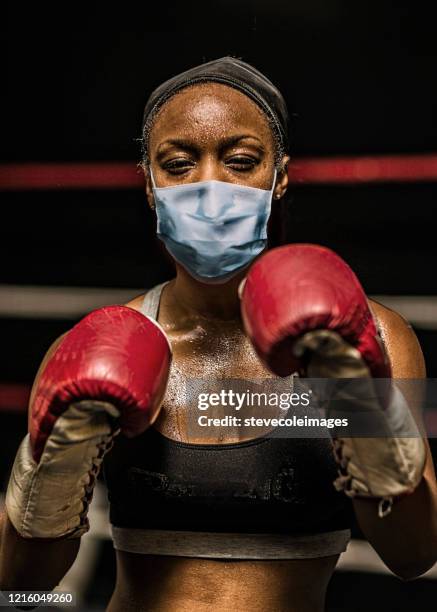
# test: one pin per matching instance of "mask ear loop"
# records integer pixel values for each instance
(275, 176)
(153, 206)
(151, 176)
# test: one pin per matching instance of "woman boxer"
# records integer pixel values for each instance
(246, 523)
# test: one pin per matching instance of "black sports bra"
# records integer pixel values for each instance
(158, 486)
(266, 485)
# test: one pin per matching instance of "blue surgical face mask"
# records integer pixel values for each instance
(213, 229)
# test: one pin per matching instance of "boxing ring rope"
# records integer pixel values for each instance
(302, 171)
(49, 302)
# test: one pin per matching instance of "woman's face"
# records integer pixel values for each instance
(213, 132)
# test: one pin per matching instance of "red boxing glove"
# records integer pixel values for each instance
(305, 311)
(116, 355)
(109, 373)
(295, 289)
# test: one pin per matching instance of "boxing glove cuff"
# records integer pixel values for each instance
(383, 467)
(50, 498)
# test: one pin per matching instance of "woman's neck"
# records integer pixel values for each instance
(195, 299)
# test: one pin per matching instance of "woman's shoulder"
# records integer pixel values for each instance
(137, 302)
(387, 317)
(153, 301)
(400, 341)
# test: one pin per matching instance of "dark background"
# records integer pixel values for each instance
(359, 78)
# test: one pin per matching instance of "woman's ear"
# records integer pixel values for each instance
(282, 179)
(148, 186)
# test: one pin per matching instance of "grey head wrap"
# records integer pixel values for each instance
(235, 73)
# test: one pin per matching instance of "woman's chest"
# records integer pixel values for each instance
(206, 366)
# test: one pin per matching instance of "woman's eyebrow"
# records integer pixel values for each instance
(180, 143)
(232, 140)
(191, 145)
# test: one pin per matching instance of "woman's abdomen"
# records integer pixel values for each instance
(161, 584)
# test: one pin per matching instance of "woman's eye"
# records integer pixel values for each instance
(178, 166)
(240, 162)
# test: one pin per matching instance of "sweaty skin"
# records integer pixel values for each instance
(208, 132)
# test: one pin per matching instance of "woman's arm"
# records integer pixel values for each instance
(406, 539)
(34, 564)
(106, 375)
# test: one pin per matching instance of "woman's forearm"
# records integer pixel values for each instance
(405, 539)
(33, 563)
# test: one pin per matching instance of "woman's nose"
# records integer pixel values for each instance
(210, 197)
(210, 200)
(209, 170)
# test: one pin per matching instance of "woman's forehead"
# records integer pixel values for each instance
(209, 109)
